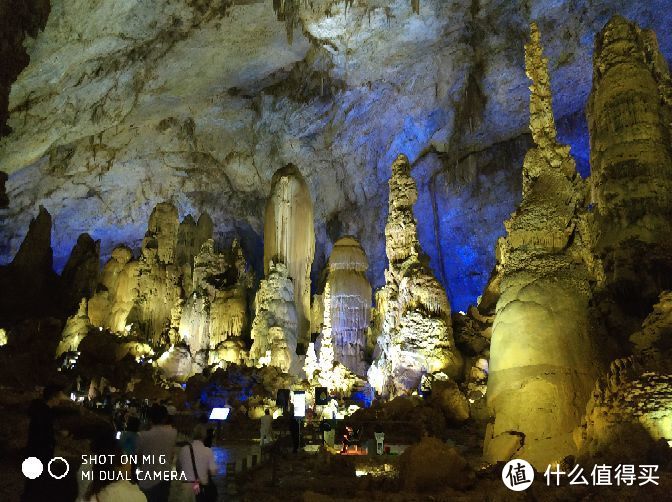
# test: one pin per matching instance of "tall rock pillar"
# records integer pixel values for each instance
(629, 118)
(542, 364)
(417, 335)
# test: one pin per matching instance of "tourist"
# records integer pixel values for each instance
(294, 429)
(110, 480)
(197, 462)
(157, 444)
(128, 441)
(41, 441)
(265, 427)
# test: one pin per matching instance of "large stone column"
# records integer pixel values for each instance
(289, 238)
(542, 364)
(629, 118)
(417, 335)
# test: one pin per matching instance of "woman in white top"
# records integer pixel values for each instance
(204, 458)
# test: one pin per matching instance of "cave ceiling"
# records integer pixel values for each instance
(124, 104)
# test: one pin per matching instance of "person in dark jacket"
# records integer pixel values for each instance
(41, 440)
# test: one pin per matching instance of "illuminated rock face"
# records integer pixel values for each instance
(172, 295)
(350, 303)
(542, 359)
(76, 328)
(631, 404)
(274, 329)
(629, 118)
(289, 238)
(214, 317)
(416, 334)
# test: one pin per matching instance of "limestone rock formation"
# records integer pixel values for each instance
(329, 372)
(630, 122)
(190, 307)
(630, 408)
(80, 274)
(214, 316)
(162, 230)
(35, 258)
(275, 327)
(29, 284)
(350, 303)
(289, 238)
(76, 328)
(416, 334)
(117, 291)
(542, 359)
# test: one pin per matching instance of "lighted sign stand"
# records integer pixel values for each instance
(219, 413)
(299, 404)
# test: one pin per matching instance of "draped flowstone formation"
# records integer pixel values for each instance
(289, 238)
(350, 303)
(543, 361)
(416, 333)
(630, 123)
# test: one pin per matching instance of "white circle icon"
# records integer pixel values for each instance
(518, 475)
(32, 467)
(67, 467)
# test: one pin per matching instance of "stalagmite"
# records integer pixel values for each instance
(274, 329)
(413, 311)
(289, 238)
(543, 361)
(163, 230)
(331, 373)
(350, 303)
(117, 291)
(630, 123)
(76, 328)
(80, 274)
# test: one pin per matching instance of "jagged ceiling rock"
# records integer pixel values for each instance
(126, 104)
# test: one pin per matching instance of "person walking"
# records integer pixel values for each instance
(155, 455)
(197, 462)
(41, 440)
(266, 427)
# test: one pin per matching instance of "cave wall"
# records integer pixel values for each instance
(127, 104)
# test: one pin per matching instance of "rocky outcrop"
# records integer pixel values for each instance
(629, 117)
(543, 361)
(630, 409)
(192, 309)
(80, 274)
(289, 238)
(29, 284)
(214, 316)
(416, 334)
